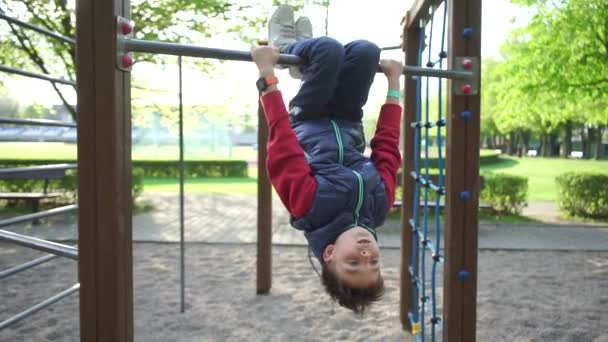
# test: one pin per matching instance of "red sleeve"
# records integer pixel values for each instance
(288, 170)
(385, 148)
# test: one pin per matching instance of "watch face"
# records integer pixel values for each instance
(261, 84)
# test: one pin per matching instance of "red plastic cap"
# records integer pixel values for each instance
(126, 28)
(466, 88)
(127, 61)
(467, 64)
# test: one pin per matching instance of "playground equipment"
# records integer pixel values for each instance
(105, 233)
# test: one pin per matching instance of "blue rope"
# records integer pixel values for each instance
(421, 234)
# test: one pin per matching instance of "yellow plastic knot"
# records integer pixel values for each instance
(416, 328)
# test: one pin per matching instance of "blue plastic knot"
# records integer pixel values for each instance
(466, 115)
(441, 122)
(467, 33)
(443, 54)
(465, 196)
(463, 275)
(430, 64)
(435, 320)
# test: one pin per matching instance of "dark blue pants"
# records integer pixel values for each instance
(336, 78)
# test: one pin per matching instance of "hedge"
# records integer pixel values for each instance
(66, 186)
(163, 168)
(506, 193)
(583, 194)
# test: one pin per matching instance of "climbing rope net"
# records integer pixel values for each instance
(429, 173)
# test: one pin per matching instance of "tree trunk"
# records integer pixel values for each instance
(584, 142)
(526, 135)
(554, 143)
(567, 139)
(545, 148)
(510, 143)
(589, 144)
(598, 143)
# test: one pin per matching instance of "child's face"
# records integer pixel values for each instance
(355, 257)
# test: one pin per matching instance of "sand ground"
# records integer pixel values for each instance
(522, 296)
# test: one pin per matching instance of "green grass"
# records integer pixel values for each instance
(541, 172)
(48, 150)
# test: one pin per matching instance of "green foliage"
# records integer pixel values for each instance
(194, 169)
(67, 187)
(554, 71)
(506, 193)
(163, 168)
(583, 194)
(184, 21)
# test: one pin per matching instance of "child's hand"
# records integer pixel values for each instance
(391, 68)
(265, 57)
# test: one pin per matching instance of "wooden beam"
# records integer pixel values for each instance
(461, 234)
(420, 10)
(264, 219)
(411, 58)
(104, 167)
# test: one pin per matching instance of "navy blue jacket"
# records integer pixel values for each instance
(350, 191)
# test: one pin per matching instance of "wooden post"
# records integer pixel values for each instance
(264, 220)
(407, 208)
(104, 168)
(461, 234)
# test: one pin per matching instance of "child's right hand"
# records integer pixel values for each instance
(265, 57)
(391, 68)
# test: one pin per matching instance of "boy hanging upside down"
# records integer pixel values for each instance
(335, 194)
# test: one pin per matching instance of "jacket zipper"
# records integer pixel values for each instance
(357, 174)
(360, 196)
(339, 140)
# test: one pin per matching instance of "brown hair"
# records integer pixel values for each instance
(355, 299)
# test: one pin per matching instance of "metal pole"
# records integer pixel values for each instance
(36, 122)
(40, 245)
(25, 266)
(136, 45)
(10, 70)
(181, 193)
(39, 306)
(37, 29)
(29, 217)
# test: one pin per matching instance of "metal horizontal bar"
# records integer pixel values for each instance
(26, 266)
(38, 215)
(32, 310)
(36, 122)
(37, 29)
(40, 245)
(174, 49)
(10, 70)
(386, 48)
(53, 171)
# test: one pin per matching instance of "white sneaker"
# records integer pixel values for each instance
(303, 32)
(303, 28)
(281, 27)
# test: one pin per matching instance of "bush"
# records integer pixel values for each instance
(506, 193)
(66, 186)
(163, 168)
(583, 194)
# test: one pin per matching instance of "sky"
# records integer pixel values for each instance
(234, 82)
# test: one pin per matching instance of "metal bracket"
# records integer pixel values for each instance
(124, 30)
(470, 86)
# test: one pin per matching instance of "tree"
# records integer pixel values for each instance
(9, 108)
(555, 73)
(186, 21)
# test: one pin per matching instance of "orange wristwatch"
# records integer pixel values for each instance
(264, 82)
